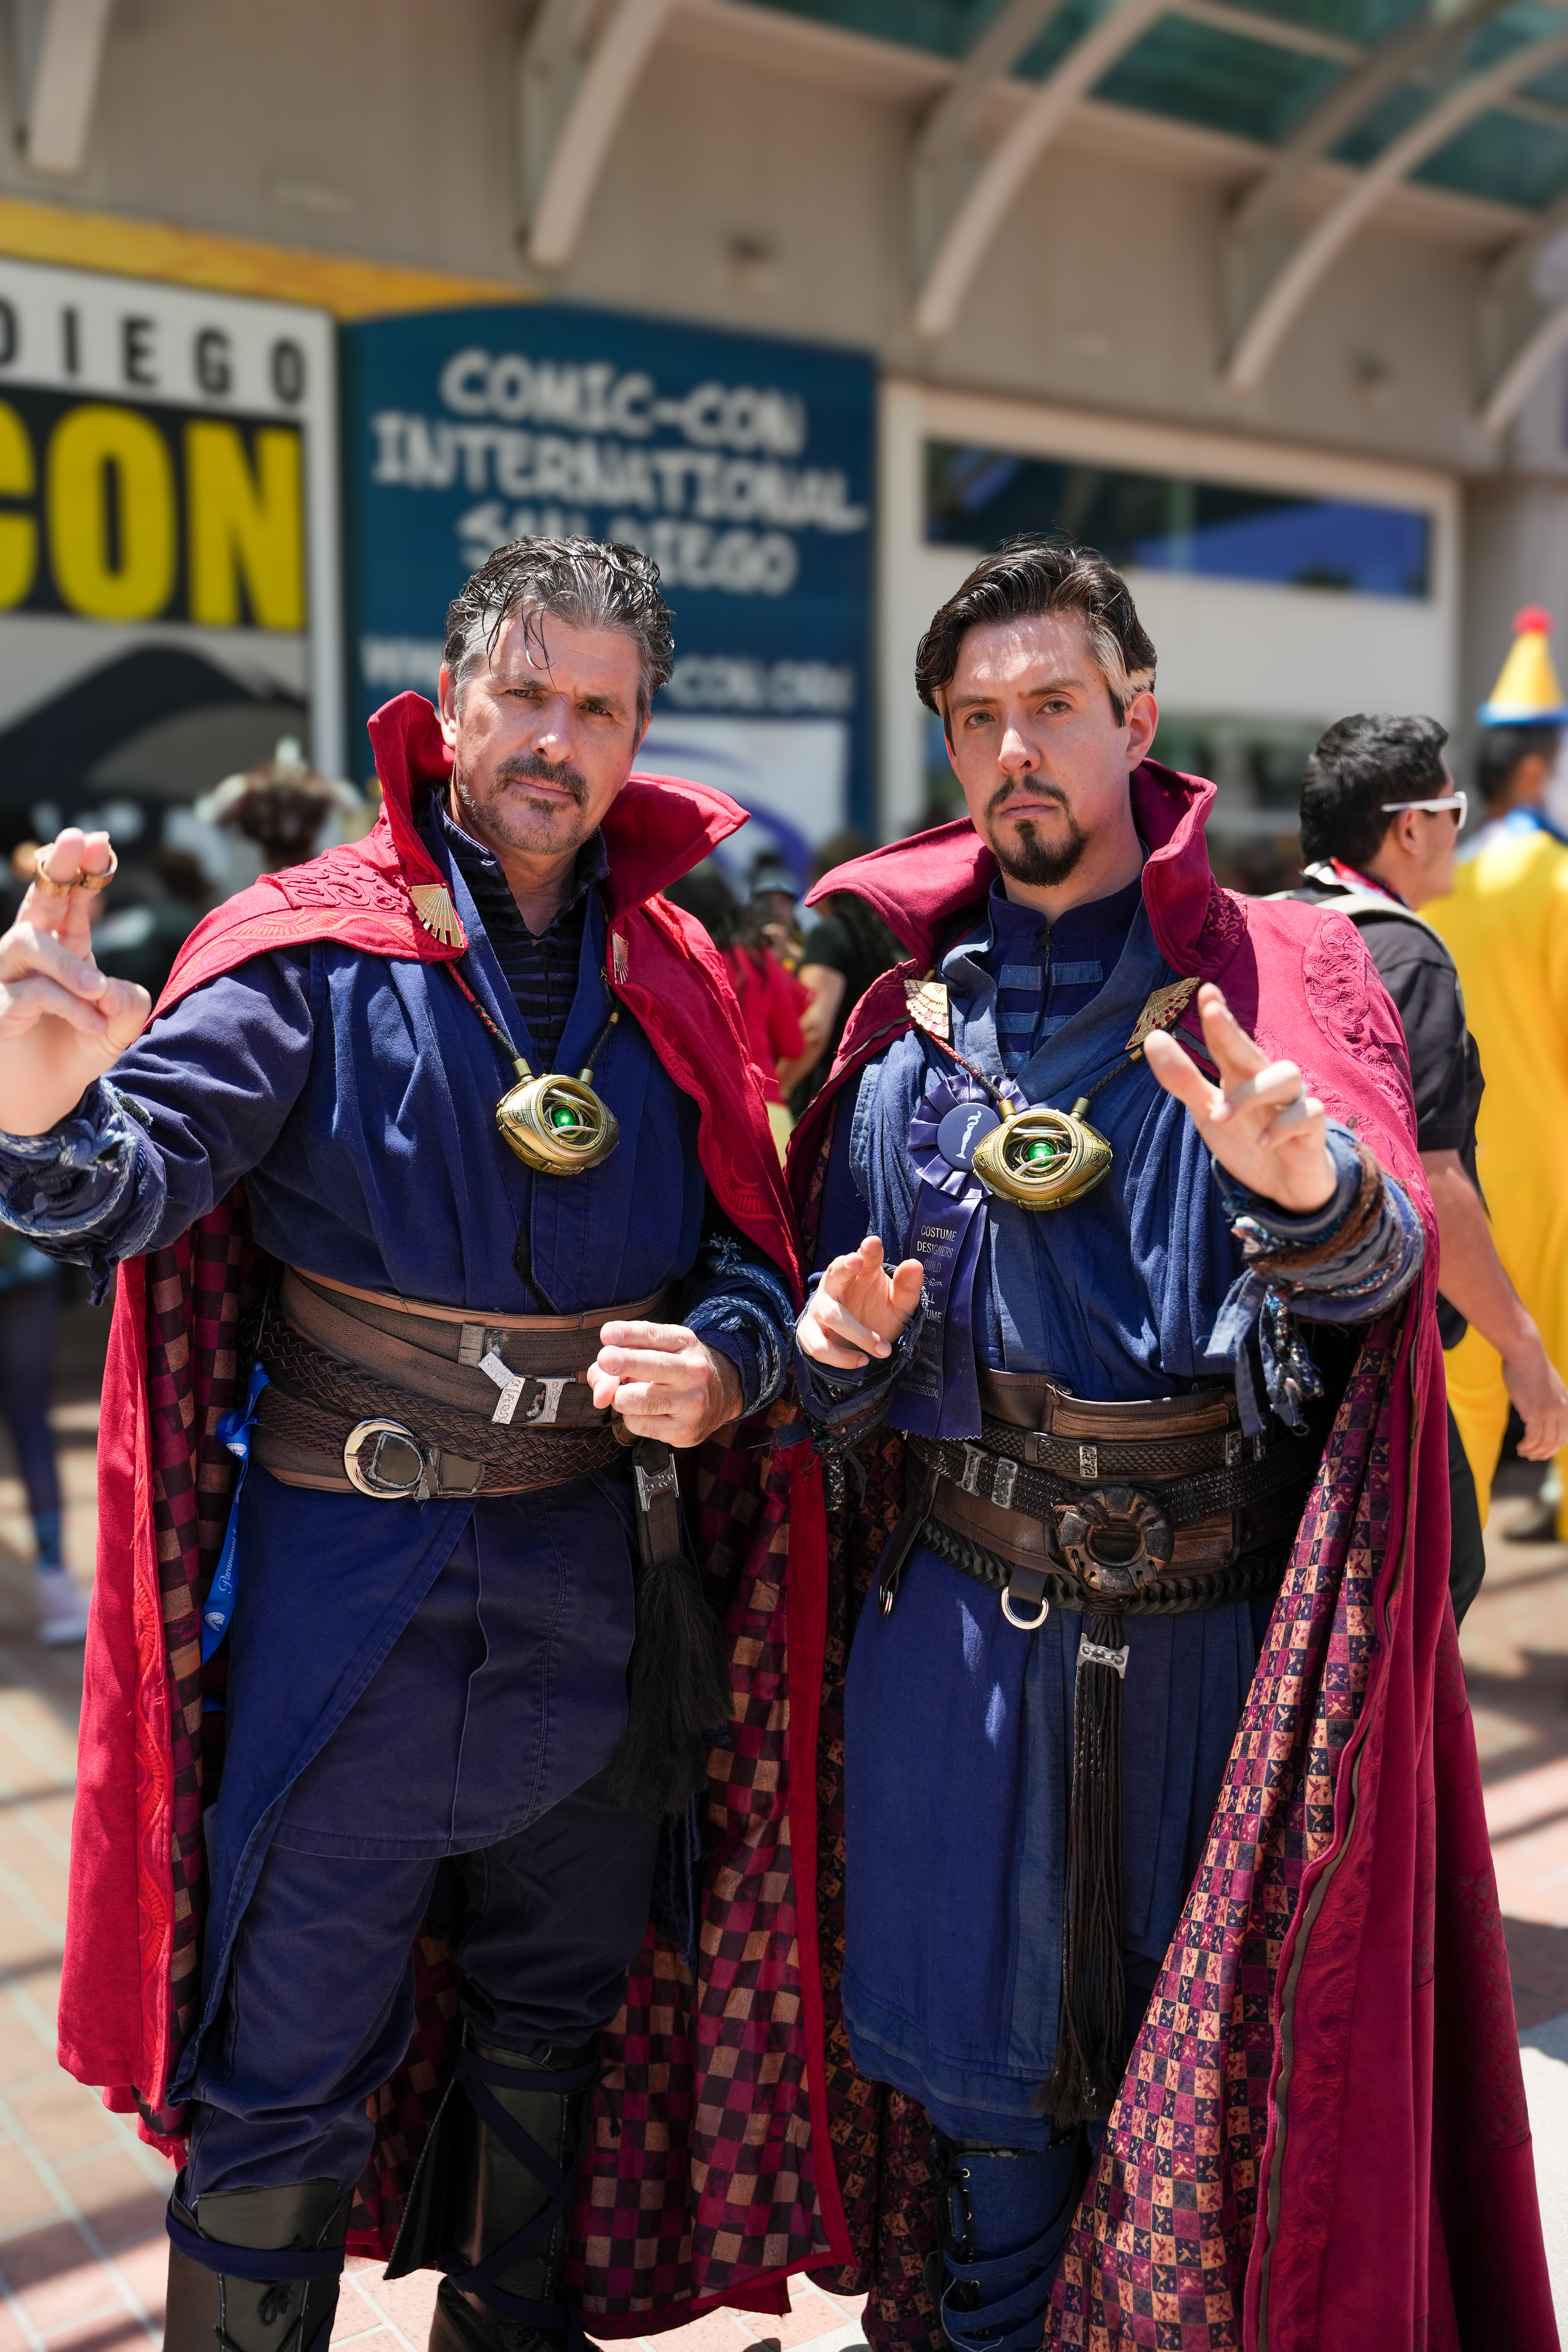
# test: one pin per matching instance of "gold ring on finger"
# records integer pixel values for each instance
(45, 882)
(86, 881)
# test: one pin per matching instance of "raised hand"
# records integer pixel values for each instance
(664, 1382)
(1259, 1122)
(858, 1309)
(62, 1022)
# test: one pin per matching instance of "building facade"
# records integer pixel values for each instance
(1269, 301)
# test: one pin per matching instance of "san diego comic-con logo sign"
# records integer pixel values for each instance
(167, 458)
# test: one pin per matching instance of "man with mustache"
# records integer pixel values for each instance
(1125, 1347)
(459, 1338)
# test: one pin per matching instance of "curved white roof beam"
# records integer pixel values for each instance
(1378, 74)
(967, 236)
(572, 106)
(1523, 317)
(1289, 290)
(1513, 387)
(946, 161)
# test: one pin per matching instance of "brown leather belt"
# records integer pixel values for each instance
(409, 1402)
(1143, 1508)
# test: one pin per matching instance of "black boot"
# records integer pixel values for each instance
(1002, 2217)
(491, 2201)
(282, 2302)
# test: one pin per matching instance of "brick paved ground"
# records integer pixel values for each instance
(81, 2245)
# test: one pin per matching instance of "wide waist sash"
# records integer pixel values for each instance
(409, 1401)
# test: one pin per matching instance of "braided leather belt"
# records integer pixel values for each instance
(409, 1402)
(1090, 1539)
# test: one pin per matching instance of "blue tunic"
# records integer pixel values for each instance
(485, 1642)
(958, 1727)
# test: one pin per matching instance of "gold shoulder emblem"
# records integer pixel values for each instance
(1163, 1007)
(433, 904)
(928, 1007)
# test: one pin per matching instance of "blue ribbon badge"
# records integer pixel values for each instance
(939, 1395)
(234, 1430)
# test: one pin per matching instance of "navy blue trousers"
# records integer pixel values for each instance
(319, 2001)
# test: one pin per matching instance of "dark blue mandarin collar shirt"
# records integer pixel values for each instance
(540, 968)
(1046, 972)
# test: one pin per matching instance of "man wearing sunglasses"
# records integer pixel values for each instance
(1380, 827)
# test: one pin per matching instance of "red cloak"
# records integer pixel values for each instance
(680, 2209)
(1322, 2143)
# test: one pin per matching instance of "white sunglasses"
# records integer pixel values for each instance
(1450, 805)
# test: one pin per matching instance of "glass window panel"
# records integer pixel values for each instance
(1352, 20)
(1526, 20)
(1227, 83)
(1552, 87)
(1504, 157)
(977, 497)
(947, 26)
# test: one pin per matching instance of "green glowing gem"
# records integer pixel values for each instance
(1041, 1152)
(563, 1117)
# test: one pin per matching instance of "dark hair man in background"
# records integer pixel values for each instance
(1380, 829)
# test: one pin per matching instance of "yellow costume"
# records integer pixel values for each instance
(1506, 926)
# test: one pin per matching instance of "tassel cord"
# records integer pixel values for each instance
(1088, 2070)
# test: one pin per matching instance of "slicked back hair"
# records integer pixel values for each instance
(589, 583)
(1358, 764)
(1502, 749)
(1034, 574)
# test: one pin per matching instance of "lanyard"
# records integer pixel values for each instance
(234, 1430)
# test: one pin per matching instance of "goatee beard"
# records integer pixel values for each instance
(1035, 866)
(517, 822)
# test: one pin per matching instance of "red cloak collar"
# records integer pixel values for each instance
(920, 885)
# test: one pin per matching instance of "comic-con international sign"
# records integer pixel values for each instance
(743, 465)
(169, 594)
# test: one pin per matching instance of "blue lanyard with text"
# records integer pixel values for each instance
(234, 1430)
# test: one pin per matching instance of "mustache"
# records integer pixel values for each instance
(527, 765)
(997, 804)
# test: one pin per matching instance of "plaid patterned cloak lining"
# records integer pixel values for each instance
(701, 2185)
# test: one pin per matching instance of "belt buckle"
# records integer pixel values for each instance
(1116, 1540)
(363, 1450)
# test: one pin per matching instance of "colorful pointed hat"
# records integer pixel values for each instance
(1526, 693)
